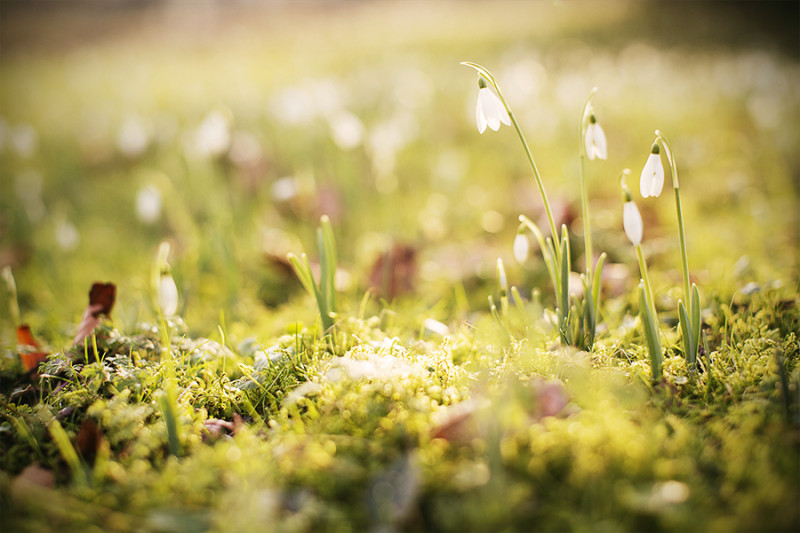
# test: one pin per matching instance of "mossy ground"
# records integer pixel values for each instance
(237, 416)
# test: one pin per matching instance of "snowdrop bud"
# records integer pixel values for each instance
(501, 277)
(595, 140)
(522, 245)
(489, 110)
(632, 222)
(652, 179)
(167, 295)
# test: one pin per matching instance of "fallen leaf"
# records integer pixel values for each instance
(551, 398)
(33, 476)
(29, 351)
(394, 273)
(103, 294)
(101, 300)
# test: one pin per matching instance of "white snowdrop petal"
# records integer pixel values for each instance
(652, 178)
(480, 118)
(599, 142)
(490, 111)
(632, 222)
(167, 295)
(501, 109)
(589, 142)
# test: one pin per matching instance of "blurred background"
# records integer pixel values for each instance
(228, 128)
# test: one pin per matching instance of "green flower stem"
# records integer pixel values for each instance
(587, 232)
(675, 184)
(648, 288)
(536, 175)
(490, 78)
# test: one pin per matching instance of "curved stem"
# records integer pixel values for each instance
(587, 233)
(536, 175)
(681, 231)
(646, 279)
(490, 78)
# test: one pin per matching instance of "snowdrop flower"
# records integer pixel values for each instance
(632, 222)
(502, 281)
(489, 111)
(522, 246)
(164, 284)
(631, 218)
(652, 180)
(595, 140)
(167, 294)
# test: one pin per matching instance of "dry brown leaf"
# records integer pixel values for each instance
(394, 273)
(88, 440)
(101, 300)
(29, 351)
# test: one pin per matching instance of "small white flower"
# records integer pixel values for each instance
(489, 111)
(522, 247)
(167, 295)
(595, 140)
(632, 222)
(652, 179)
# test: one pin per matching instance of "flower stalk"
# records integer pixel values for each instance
(632, 223)
(593, 144)
(689, 306)
(577, 318)
(487, 76)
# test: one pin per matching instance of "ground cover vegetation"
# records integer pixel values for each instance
(267, 276)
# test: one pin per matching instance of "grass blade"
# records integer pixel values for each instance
(651, 334)
(689, 346)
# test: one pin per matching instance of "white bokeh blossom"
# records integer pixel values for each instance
(522, 247)
(489, 110)
(652, 179)
(148, 204)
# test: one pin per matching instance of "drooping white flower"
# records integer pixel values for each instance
(652, 179)
(489, 111)
(595, 140)
(167, 295)
(522, 247)
(632, 222)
